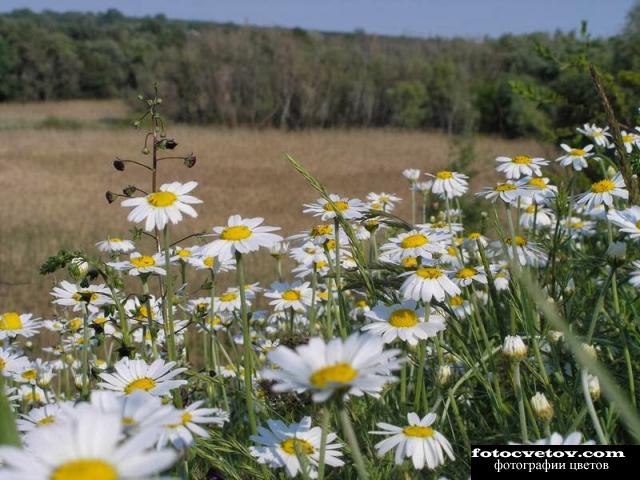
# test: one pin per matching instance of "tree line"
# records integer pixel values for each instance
(514, 85)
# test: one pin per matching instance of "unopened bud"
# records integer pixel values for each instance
(590, 350)
(145, 151)
(444, 375)
(129, 190)
(189, 161)
(514, 348)
(541, 407)
(170, 144)
(110, 196)
(118, 165)
(594, 387)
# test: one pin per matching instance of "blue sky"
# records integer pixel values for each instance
(470, 18)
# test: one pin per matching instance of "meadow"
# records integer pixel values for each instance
(324, 304)
(54, 179)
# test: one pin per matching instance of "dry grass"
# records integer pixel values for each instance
(53, 182)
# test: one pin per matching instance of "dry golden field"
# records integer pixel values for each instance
(52, 181)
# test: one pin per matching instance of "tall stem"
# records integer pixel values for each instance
(171, 341)
(246, 340)
(347, 429)
(323, 441)
(592, 410)
(517, 383)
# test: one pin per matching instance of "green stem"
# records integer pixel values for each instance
(171, 342)
(347, 429)
(246, 340)
(592, 410)
(323, 442)
(517, 384)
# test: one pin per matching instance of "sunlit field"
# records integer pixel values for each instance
(53, 180)
(194, 302)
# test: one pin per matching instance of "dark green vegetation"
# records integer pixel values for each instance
(514, 85)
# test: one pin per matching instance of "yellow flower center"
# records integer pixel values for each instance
(578, 225)
(228, 297)
(100, 321)
(3, 364)
(577, 152)
(75, 323)
(290, 445)
(603, 186)
(162, 199)
(410, 262)
(213, 321)
(444, 175)
(451, 251)
(505, 187)
(143, 313)
(236, 233)
(638, 224)
(29, 374)
(340, 206)
(84, 469)
(10, 321)
(143, 261)
(361, 303)
(291, 295)
(330, 244)
(339, 373)
(531, 209)
(114, 239)
(475, 236)
(403, 318)
(85, 296)
(467, 272)
(537, 182)
(184, 253)
(628, 138)
(414, 241)
(128, 421)
(48, 420)
(520, 241)
(456, 301)
(521, 160)
(321, 230)
(418, 431)
(429, 273)
(209, 262)
(144, 383)
(439, 225)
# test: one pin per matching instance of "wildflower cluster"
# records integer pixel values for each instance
(434, 333)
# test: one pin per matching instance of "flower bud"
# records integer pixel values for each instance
(110, 196)
(129, 190)
(616, 253)
(590, 350)
(514, 348)
(444, 375)
(170, 144)
(190, 160)
(555, 336)
(541, 407)
(118, 165)
(145, 151)
(594, 387)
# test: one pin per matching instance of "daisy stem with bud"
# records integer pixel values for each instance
(602, 438)
(517, 385)
(246, 343)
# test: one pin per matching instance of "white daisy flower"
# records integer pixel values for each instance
(181, 433)
(418, 440)
(448, 184)
(528, 253)
(508, 191)
(352, 366)
(603, 192)
(132, 375)
(88, 445)
(229, 301)
(13, 324)
(539, 216)
(600, 136)
(157, 209)
(11, 362)
(349, 208)
(629, 140)
(71, 295)
(628, 221)
(45, 416)
(402, 321)
(575, 157)
(280, 445)
(520, 166)
(183, 254)
(467, 275)
(415, 243)
(382, 201)
(540, 191)
(139, 410)
(428, 283)
(139, 264)
(460, 307)
(514, 348)
(242, 236)
(115, 245)
(411, 174)
(213, 264)
(285, 296)
(577, 227)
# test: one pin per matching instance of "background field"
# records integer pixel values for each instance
(53, 180)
